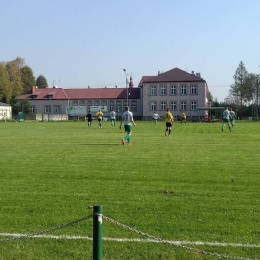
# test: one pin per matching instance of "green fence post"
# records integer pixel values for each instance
(97, 233)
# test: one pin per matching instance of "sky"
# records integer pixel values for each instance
(81, 43)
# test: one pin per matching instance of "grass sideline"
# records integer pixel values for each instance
(198, 185)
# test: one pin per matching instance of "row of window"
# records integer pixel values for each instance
(173, 90)
(118, 106)
(163, 105)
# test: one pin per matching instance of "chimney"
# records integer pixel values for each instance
(192, 72)
(33, 89)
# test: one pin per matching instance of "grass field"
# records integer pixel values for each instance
(199, 185)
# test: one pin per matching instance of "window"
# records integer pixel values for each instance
(96, 103)
(49, 96)
(57, 109)
(89, 104)
(173, 105)
(133, 106)
(104, 103)
(118, 106)
(173, 90)
(183, 105)
(163, 105)
(34, 96)
(153, 91)
(82, 102)
(74, 103)
(153, 106)
(47, 109)
(163, 91)
(193, 105)
(183, 90)
(193, 89)
(33, 109)
(111, 105)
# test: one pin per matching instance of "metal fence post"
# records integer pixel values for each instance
(97, 233)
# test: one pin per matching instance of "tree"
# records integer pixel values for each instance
(5, 90)
(28, 79)
(41, 82)
(14, 71)
(242, 87)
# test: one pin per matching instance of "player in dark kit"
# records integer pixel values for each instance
(89, 117)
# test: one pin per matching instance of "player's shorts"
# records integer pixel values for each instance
(225, 120)
(99, 119)
(89, 120)
(168, 124)
(113, 119)
(128, 128)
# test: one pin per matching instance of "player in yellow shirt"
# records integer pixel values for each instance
(99, 115)
(169, 120)
(183, 118)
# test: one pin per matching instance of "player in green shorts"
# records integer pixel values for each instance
(113, 118)
(226, 119)
(232, 117)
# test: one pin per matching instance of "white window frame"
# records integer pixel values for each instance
(118, 106)
(47, 109)
(183, 90)
(56, 109)
(153, 91)
(133, 106)
(33, 109)
(163, 90)
(74, 102)
(96, 102)
(153, 106)
(193, 105)
(183, 105)
(173, 105)
(194, 90)
(82, 102)
(173, 90)
(111, 105)
(104, 103)
(163, 105)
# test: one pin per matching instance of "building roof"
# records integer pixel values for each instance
(82, 94)
(174, 75)
(4, 104)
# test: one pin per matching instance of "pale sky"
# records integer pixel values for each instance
(80, 43)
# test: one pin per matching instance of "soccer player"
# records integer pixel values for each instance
(232, 117)
(155, 117)
(99, 115)
(113, 118)
(128, 120)
(89, 117)
(169, 119)
(183, 118)
(226, 119)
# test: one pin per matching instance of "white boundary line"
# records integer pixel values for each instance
(135, 240)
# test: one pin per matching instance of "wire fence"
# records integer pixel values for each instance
(171, 243)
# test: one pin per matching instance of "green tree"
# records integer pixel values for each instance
(28, 79)
(5, 89)
(41, 82)
(14, 71)
(242, 87)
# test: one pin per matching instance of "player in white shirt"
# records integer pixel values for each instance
(155, 117)
(226, 119)
(128, 120)
(232, 117)
(113, 118)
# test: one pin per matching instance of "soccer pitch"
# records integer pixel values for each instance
(198, 188)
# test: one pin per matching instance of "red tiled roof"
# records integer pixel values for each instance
(174, 75)
(144, 79)
(77, 94)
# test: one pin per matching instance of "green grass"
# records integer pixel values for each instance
(198, 185)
